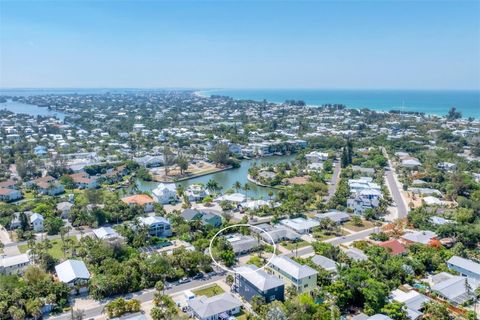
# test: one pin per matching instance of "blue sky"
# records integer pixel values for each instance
(240, 44)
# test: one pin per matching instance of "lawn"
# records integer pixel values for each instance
(209, 291)
(56, 249)
(242, 315)
(365, 225)
(294, 245)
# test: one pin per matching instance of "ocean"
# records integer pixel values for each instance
(429, 102)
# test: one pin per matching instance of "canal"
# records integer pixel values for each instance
(30, 109)
(226, 179)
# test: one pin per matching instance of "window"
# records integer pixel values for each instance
(306, 285)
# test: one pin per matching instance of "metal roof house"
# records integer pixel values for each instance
(453, 288)
(465, 267)
(335, 216)
(213, 308)
(324, 262)
(14, 264)
(423, 237)
(250, 281)
(242, 244)
(157, 226)
(302, 277)
(277, 232)
(356, 254)
(300, 225)
(73, 272)
(107, 233)
(413, 301)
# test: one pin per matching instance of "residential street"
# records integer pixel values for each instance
(143, 296)
(393, 185)
(352, 237)
(332, 187)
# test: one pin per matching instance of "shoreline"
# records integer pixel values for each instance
(193, 176)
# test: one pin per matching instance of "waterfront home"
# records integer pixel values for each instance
(196, 192)
(393, 246)
(83, 181)
(107, 234)
(64, 209)
(142, 200)
(335, 216)
(236, 198)
(150, 161)
(465, 267)
(413, 301)
(424, 237)
(251, 281)
(14, 264)
(277, 233)
(302, 277)
(300, 225)
(209, 217)
(325, 263)
(48, 185)
(217, 307)
(36, 221)
(8, 195)
(255, 204)
(242, 244)
(165, 193)
(74, 273)
(453, 288)
(316, 156)
(157, 226)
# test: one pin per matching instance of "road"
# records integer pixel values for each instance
(352, 237)
(332, 187)
(142, 296)
(394, 188)
(40, 237)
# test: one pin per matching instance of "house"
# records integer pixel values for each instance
(217, 307)
(14, 264)
(432, 201)
(302, 277)
(453, 288)
(251, 281)
(108, 234)
(316, 156)
(157, 226)
(412, 300)
(64, 208)
(255, 204)
(196, 192)
(335, 216)
(394, 246)
(9, 184)
(465, 267)
(356, 254)
(16, 222)
(300, 225)
(74, 273)
(8, 195)
(439, 221)
(447, 166)
(165, 193)
(325, 263)
(423, 237)
(378, 316)
(83, 181)
(36, 220)
(142, 200)
(209, 217)
(236, 198)
(277, 233)
(48, 185)
(40, 151)
(150, 161)
(242, 244)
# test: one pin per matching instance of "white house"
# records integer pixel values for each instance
(300, 225)
(465, 267)
(107, 233)
(74, 273)
(316, 156)
(165, 193)
(64, 208)
(196, 192)
(204, 308)
(157, 226)
(36, 220)
(14, 264)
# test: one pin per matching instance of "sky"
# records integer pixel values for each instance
(386, 44)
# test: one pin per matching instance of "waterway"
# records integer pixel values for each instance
(226, 179)
(30, 109)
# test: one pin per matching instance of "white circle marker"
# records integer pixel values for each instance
(241, 225)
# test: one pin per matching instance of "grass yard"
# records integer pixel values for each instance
(365, 225)
(56, 249)
(209, 291)
(294, 245)
(242, 315)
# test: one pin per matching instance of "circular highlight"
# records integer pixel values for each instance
(241, 225)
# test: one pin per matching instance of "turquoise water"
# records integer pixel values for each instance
(429, 102)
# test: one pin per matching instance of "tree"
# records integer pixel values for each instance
(168, 159)
(182, 163)
(237, 186)
(453, 114)
(357, 221)
(395, 310)
(435, 310)
(220, 154)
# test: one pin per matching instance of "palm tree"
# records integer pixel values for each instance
(237, 186)
(246, 187)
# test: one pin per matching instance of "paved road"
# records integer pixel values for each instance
(142, 296)
(332, 187)
(352, 237)
(39, 236)
(394, 187)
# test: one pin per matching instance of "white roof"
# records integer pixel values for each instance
(70, 270)
(36, 216)
(234, 197)
(420, 236)
(105, 232)
(325, 263)
(292, 268)
(15, 260)
(153, 220)
(208, 307)
(165, 187)
(465, 264)
(300, 223)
